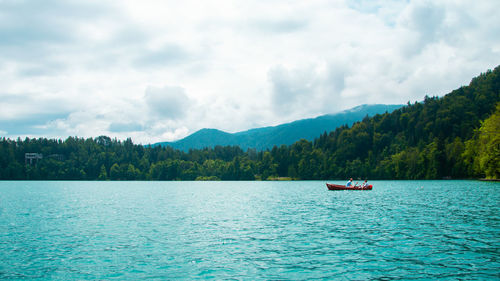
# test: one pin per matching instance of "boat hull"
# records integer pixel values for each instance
(343, 187)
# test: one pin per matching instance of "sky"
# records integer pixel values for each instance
(161, 70)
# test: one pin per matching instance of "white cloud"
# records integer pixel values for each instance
(167, 102)
(85, 67)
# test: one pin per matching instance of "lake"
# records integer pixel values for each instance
(296, 230)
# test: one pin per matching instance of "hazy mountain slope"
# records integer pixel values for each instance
(267, 137)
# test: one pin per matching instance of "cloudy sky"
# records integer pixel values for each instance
(160, 70)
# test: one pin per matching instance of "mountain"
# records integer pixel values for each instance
(288, 133)
(455, 136)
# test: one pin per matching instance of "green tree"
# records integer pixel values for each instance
(103, 175)
(132, 172)
(489, 139)
(115, 172)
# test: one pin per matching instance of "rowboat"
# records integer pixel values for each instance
(332, 186)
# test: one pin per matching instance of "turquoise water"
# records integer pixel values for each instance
(249, 230)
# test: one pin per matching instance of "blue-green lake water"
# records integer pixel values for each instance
(249, 230)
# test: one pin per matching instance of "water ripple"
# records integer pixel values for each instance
(249, 231)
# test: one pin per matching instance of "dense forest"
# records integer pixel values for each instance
(455, 136)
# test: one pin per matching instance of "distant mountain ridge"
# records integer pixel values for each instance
(288, 133)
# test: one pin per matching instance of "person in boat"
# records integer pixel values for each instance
(365, 184)
(349, 183)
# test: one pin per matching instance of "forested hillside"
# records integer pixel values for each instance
(456, 136)
(420, 141)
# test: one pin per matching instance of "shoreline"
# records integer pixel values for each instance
(493, 180)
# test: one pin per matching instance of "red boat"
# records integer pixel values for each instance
(332, 186)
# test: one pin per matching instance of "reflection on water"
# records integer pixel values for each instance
(249, 230)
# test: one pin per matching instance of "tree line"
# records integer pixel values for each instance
(455, 136)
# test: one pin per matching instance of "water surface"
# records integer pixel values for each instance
(249, 230)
